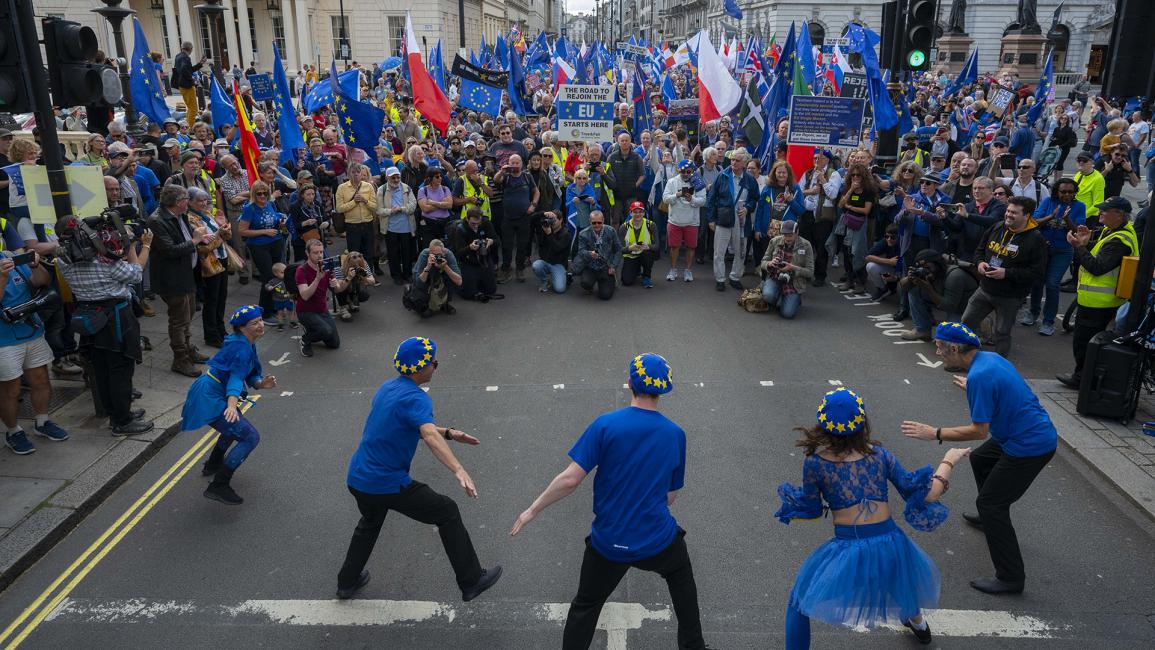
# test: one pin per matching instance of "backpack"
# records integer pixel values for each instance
(291, 280)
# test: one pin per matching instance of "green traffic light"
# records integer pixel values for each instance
(916, 58)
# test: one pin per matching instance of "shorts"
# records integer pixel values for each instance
(15, 359)
(678, 236)
(282, 305)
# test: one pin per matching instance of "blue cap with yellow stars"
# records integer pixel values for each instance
(414, 355)
(650, 374)
(956, 333)
(841, 412)
(245, 314)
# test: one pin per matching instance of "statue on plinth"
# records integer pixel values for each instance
(956, 25)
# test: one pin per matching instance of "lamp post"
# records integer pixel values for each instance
(115, 15)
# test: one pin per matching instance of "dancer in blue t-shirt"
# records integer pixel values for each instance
(640, 456)
(1020, 441)
(402, 416)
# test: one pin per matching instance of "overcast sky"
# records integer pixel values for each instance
(575, 6)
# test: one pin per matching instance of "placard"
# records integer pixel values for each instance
(262, 85)
(854, 86)
(1000, 100)
(585, 112)
(633, 52)
(825, 121)
(85, 188)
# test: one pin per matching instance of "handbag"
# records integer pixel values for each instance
(853, 220)
(311, 235)
(234, 261)
(211, 265)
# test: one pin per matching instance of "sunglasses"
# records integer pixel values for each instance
(890, 236)
(1000, 192)
(926, 183)
(1026, 167)
(260, 193)
(596, 223)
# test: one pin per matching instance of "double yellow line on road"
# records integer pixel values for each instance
(51, 597)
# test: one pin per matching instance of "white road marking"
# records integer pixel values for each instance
(766, 383)
(425, 388)
(866, 304)
(559, 386)
(286, 393)
(491, 389)
(834, 382)
(907, 381)
(976, 623)
(923, 361)
(281, 361)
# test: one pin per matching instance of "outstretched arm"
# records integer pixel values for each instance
(559, 488)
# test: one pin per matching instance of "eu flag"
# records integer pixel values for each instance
(1044, 92)
(357, 122)
(224, 111)
(732, 9)
(292, 139)
(480, 88)
(321, 94)
(147, 91)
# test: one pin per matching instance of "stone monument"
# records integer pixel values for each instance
(955, 45)
(1023, 48)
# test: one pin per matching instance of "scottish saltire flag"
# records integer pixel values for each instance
(292, 139)
(1044, 92)
(752, 120)
(147, 90)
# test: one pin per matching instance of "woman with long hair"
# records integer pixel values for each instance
(781, 200)
(215, 286)
(870, 572)
(855, 205)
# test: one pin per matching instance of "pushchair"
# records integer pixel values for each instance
(1045, 166)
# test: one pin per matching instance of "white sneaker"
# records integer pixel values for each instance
(672, 275)
(688, 276)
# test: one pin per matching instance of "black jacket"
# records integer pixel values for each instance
(966, 231)
(461, 236)
(1023, 255)
(627, 168)
(554, 248)
(182, 70)
(173, 255)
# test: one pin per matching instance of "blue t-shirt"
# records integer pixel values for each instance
(381, 463)
(999, 397)
(17, 292)
(640, 456)
(261, 219)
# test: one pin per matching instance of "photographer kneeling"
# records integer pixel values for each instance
(553, 246)
(923, 285)
(101, 282)
(435, 269)
(313, 282)
(471, 240)
(357, 276)
(789, 267)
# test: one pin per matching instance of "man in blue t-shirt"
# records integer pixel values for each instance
(640, 456)
(401, 416)
(1021, 442)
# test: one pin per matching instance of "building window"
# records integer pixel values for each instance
(206, 41)
(279, 32)
(396, 35)
(817, 33)
(1062, 36)
(340, 25)
(164, 34)
(252, 37)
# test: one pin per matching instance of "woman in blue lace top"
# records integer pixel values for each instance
(870, 572)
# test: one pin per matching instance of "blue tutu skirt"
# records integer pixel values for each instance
(866, 575)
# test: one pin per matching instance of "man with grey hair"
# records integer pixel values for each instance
(234, 186)
(730, 213)
(173, 274)
(709, 172)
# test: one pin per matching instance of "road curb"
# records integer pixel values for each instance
(52, 521)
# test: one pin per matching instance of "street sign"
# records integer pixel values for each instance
(85, 187)
(825, 121)
(585, 112)
(262, 85)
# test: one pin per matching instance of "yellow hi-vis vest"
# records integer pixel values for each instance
(560, 155)
(598, 186)
(632, 238)
(1099, 290)
(467, 190)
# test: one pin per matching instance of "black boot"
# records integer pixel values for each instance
(219, 489)
(213, 464)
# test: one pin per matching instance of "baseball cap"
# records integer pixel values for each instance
(119, 149)
(637, 205)
(1115, 203)
(789, 227)
(171, 142)
(220, 142)
(1001, 141)
(5, 133)
(304, 174)
(1083, 155)
(170, 120)
(392, 171)
(148, 148)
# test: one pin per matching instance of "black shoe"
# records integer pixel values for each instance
(428, 313)
(1070, 381)
(720, 286)
(448, 309)
(737, 285)
(136, 394)
(974, 521)
(818, 282)
(214, 343)
(244, 279)
(995, 586)
(134, 427)
(922, 635)
(306, 348)
(488, 579)
(900, 315)
(347, 593)
(220, 490)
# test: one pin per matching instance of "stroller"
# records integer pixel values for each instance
(1045, 166)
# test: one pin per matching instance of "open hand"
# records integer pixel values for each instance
(522, 519)
(466, 482)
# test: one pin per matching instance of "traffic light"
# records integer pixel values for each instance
(70, 48)
(918, 34)
(13, 89)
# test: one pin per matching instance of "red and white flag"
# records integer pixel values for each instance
(718, 92)
(427, 97)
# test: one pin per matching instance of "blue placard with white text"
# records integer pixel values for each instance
(262, 85)
(826, 121)
(586, 112)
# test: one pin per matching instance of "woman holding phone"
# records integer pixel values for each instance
(1056, 215)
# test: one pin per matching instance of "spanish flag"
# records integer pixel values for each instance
(250, 152)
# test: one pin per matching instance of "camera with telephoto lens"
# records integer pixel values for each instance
(483, 245)
(106, 235)
(46, 300)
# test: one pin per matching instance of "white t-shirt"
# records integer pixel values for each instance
(1138, 131)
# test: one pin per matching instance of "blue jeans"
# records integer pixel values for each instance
(787, 303)
(550, 275)
(243, 433)
(1057, 265)
(921, 310)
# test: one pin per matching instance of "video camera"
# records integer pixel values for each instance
(44, 300)
(107, 235)
(333, 265)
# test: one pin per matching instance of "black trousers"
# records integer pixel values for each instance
(632, 267)
(599, 578)
(1002, 480)
(216, 293)
(430, 229)
(112, 374)
(1089, 321)
(515, 237)
(420, 503)
(401, 249)
(319, 328)
(816, 232)
(601, 279)
(58, 332)
(359, 237)
(477, 279)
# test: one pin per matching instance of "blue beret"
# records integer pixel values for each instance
(841, 412)
(650, 374)
(245, 314)
(414, 354)
(956, 333)
(685, 164)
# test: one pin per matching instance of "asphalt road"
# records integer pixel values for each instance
(158, 565)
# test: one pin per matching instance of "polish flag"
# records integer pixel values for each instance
(718, 93)
(427, 97)
(562, 71)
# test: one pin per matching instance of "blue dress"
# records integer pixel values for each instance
(869, 574)
(233, 366)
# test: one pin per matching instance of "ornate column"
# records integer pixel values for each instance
(231, 46)
(188, 30)
(289, 56)
(304, 34)
(246, 52)
(172, 29)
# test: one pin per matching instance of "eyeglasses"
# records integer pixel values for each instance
(596, 223)
(926, 183)
(890, 236)
(1026, 167)
(260, 193)
(1000, 192)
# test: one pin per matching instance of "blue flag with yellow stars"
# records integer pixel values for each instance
(224, 110)
(480, 88)
(292, 139)
(147, 91)
(358, 123)
(1044, 92)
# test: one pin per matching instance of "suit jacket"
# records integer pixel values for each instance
(172, 265)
